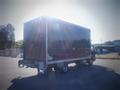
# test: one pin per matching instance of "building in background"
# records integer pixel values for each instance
(107, 47)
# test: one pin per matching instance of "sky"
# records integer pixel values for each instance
(102, 17)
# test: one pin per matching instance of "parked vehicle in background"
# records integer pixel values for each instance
(53, 43)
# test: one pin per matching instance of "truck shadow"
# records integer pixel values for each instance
(85, 78)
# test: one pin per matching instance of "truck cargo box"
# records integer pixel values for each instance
(52, 40)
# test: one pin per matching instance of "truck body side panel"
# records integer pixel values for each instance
(67, 41)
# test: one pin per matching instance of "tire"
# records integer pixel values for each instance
(90, 62)
(62, 67)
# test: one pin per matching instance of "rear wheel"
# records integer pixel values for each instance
(48, 72)
(62, 67)
(90, 62)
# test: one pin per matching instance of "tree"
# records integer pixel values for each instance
(10, 36)
(7, 37)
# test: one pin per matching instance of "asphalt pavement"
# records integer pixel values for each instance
(103, 75)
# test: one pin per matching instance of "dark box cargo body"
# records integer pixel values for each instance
(50, 40)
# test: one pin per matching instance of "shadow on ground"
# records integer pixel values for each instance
(85, 78)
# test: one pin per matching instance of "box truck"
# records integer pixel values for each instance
(54, 43)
